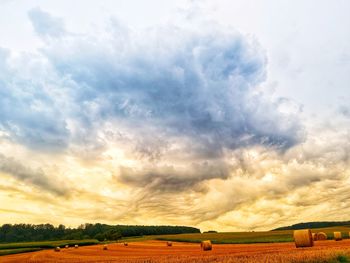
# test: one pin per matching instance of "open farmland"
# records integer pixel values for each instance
(22, 247)
(268, 246)
(234, 237)
(241, 237)
(158, 252)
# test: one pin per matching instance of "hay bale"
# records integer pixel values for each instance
(126, 244)
(105, 247)
(321, 236)
(169, 243)
(66, 246)
(206, 245)
(337, 236)
(314, 236)
(57, 249)
(76, 246)
(303, 238)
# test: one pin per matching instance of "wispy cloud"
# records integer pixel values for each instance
(35, 177)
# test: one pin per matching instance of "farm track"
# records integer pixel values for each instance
(158, 252)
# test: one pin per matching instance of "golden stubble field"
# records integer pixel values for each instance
(159, 252)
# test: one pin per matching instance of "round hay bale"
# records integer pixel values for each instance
(337, 236)
(66, 246)
(206, 245)
(105, 247)
(314, 236)
(303, 238)
(169, 243)
(57, 249)
(76, 246)
(126, 244)
(321, 236)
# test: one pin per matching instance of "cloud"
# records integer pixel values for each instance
(35, 177)
(197, 91)
(169, 179)
(46, 25)
(345, 111)
(198, 86)
(299, 185)
(29, 110)
(168, 113)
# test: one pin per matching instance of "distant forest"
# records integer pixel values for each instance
(44, 232)
(314, 225)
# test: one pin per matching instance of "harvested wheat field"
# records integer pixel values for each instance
(157, 251)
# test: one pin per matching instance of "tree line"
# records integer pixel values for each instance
(44, 232)
(321, 224)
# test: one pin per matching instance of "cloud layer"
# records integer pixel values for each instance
(168, 124)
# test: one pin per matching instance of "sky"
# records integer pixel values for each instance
(224, 115)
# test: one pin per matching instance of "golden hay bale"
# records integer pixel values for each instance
(57, 249)
(314, 236)
(337, 236)
(303, 238)
(321, 236)
(206, 245)
(126, 244)
(76, 246)
(169, 243)
(105, 247)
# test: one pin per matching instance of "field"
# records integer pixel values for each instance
(158, 252)
(15, 248)
(233, 238)
(242, 237)
(270, 246)
(17, 251)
